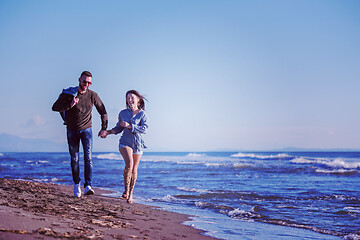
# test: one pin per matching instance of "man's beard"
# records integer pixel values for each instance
(83, 88)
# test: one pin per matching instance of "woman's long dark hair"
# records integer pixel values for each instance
(141, 103)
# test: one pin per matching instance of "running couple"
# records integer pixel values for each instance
(75, 106)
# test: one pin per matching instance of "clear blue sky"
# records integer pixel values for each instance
(218, 75)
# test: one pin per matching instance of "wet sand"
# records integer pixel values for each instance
(30, 210)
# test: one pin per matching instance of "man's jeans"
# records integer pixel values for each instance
(73, 138)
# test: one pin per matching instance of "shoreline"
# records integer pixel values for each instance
(33, 210)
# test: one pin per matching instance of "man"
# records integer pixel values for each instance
(75, 106)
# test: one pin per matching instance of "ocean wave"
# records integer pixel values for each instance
(147, 159)
(111, 156)
(336, 171)
(196, 155)
(228, 194)
(289, 223)
(148, 200)
(242, 165)
(32, 162)
(258, 209)
(349, 211)
(317, 196)
(216, 164)
(258, 156)
(168, 198)
(54, 179)
(301, 160)
(353, 209)
(44, 180)
(253, 215)
(201, 204)
(211, 206)
(352, 236)
(236, 212)
(187, 189)
(190, 163)
(1, 154)
(341, 197)
(340, 163)
(244, 215)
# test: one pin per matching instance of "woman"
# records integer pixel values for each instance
(133, 123)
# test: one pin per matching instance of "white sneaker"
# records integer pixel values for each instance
(89, 190)
(77, 190)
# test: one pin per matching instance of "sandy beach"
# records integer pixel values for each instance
(32, 210)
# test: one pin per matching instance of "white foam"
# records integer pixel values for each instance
(196, 155)
(168, 198)
(187, 189)
(147, 159)
(215, 164)
(330, 162)
(243, 155)
(236, 212)
(40, 180)
(111, 156)
(241, 165)
(200, 204)
(54, 179)
(190, 163)
(1, 154)
(352, 209)
(281, 155)
(301, 160)
(352, 236)
(335, 171)
(32, 162)
(341, 197)
(149, 200)
(340, 162)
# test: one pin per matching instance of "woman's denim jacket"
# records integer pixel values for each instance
(132, 137)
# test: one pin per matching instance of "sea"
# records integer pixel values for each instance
(230, 195)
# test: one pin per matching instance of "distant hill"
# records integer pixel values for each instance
(294, 149)
(11, 143)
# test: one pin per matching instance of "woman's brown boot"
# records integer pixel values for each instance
(131, 189)
(127, 180)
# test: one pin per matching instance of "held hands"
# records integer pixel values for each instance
(103, 133)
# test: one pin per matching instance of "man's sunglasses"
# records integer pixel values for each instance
(87, 82)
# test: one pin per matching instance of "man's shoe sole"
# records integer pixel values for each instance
(90, 192)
